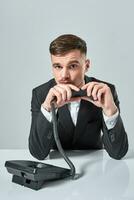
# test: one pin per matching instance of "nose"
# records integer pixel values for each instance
(65, 73)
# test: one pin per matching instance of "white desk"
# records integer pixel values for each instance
(102, 178)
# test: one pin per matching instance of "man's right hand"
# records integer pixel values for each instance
(63, 94)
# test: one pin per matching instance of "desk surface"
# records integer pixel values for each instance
(102, 178)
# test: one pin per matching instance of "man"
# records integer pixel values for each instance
(80, 120)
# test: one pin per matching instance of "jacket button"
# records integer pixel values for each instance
(49, 135)
(112, 137)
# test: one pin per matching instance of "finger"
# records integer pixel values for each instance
(100, 93)
(95, 91)
(90, 89)
(84, 87)
(89, 99)
(62, 91)
(68, 88)
(88, 84)
(58, 96)
(68, 91)
(73, 87)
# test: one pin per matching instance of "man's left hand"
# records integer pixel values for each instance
(102, 97)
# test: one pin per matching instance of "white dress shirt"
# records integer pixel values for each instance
(74, 108)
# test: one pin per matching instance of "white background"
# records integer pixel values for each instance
(26, 29)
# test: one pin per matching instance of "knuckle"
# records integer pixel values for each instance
(96, 87)
(107, 88)
(105, 85)
(55, 87)
(58, 94)
(51, 90)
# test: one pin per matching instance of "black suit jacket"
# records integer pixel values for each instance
(85, 135)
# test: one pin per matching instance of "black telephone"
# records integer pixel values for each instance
(33, 174)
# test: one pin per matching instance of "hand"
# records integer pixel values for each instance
(63, 94)
(102, 97)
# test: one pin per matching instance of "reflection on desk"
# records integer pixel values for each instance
(101, 177)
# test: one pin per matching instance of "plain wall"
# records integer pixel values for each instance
(26, 29)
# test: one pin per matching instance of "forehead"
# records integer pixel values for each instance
(74, 55)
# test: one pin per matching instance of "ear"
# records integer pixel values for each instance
(87, 65)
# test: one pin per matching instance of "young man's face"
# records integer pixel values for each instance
(70, 68)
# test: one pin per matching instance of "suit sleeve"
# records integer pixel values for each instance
(41, 132)
(115, 140)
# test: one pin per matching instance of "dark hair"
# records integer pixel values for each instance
(67, 42)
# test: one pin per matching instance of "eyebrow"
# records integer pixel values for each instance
(56, 64)
(72, 61)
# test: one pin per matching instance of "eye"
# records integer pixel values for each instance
(73, 66)
(57, 67)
